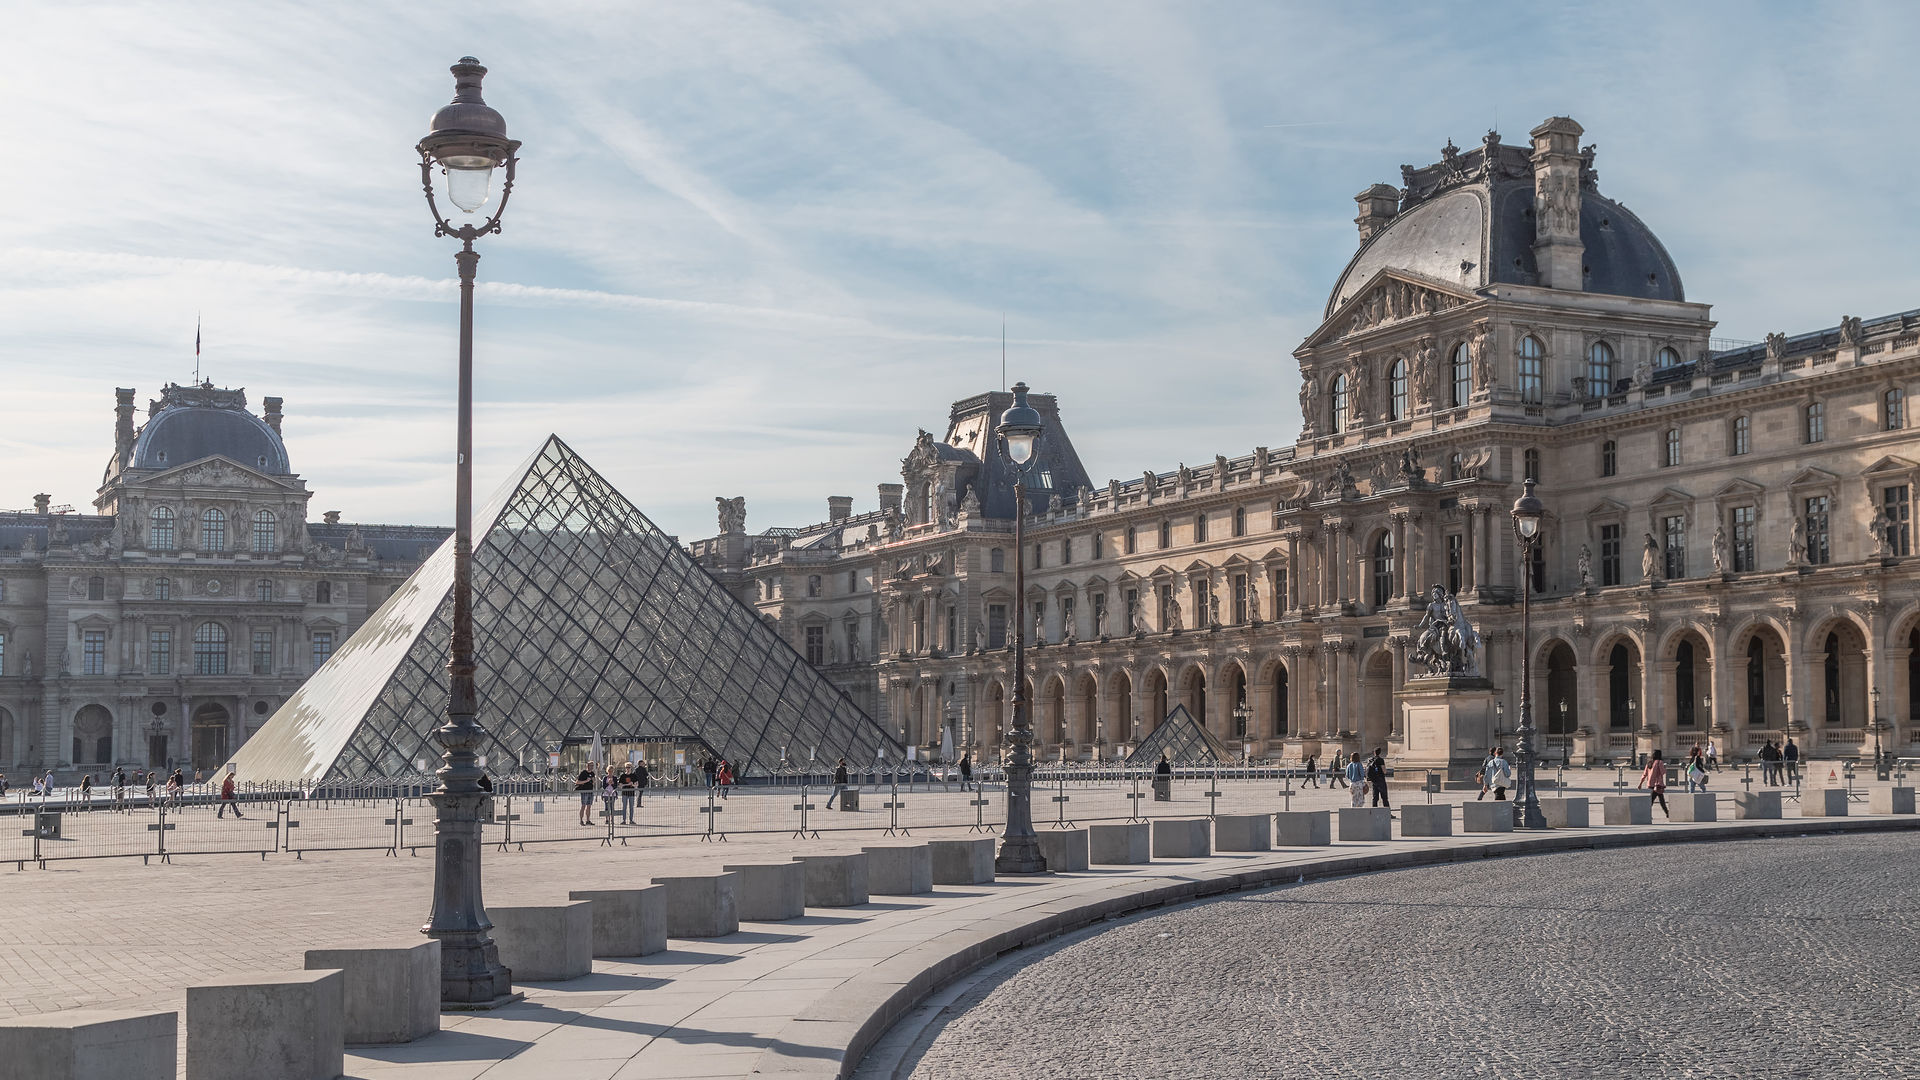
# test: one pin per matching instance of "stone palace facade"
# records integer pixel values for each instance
(165, 628)
(1729, 547)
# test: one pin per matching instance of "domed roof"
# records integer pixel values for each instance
(1470, 223)
(189, 423)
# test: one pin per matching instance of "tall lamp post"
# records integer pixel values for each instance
(1880, 770)
(1527, 512)
(1019, 433)
(468, 140)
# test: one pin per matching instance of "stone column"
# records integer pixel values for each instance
(1471, 558)
(1293, 570)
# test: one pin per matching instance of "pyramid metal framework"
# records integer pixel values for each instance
(1183, 740)
(588, 619)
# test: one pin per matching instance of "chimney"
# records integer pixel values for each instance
(42, 504)
(839, 507)
(1378, 205)
(331, 517)
(1558, 253)
(271, 413)
(123, 424)
(890, 498)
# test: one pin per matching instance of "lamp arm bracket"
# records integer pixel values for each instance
(444, 226)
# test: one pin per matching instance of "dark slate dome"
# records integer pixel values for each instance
(1470, 224)
(189, 423)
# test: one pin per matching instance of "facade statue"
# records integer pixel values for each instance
(979, 638)
(1877, 531)
(1719, 550)
(1213, 608)
(1173, 614)
(1099, 620)
(1040, 627)
(1649, 559)
(1445, 641)
(1133, 615)
(732, 514)
(1850, 330)
(1585, 565)
(1253, 597)
(1796, 542)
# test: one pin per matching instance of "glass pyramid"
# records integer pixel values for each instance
(1183, 740)
(587, 620)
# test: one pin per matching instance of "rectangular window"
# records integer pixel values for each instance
(1897, 504)
(953, 628)
(1166, 535)
(1609, 458)
(1672, 456)
(1816, 422)
(1066, 550)
(322, 648)
(93, 652)
(1896, 409)
(1280, 590)
(1456, 562)
(1240, 598)
(1610, 555)
(1038, 623)
(1742, 435)
(1038, 562)
(1133, 606)
(1676, 554)
(263, 652)
(853, 641)
(1068, 628)
(1819, 532)
(853, 581)
(1100, 614)
(3, 654)
(996, 626)
(1166, 608)
(1133, 539)
(159, 652)
(1743, 539)
(816, 645)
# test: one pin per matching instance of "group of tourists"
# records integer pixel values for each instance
(118, 782)
(625, 784)
(1780, 764)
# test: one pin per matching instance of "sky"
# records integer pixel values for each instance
(753, 248)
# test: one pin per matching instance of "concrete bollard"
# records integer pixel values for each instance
(290, 1025)
(550, 942)
(849, 800)
(835, 880)
(627, 922)
(902, 870)
(1426, 819)
(85, 1044)
(1064, 849)
(962, 862)
(1627, 809)
(1823, 802)
(1693, 806)
(700, 905)
(768, 892)
(392, 991)
(1365, 824)
(1756, 806)
(1566, 813)
(1486, 817)
(1182, 838)
(1243, 832)
(1129, 843)
(1890, 800)
(1303, 828)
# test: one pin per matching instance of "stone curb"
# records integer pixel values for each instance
(828, 1039)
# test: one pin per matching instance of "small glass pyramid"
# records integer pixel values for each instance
(1183, 740)
(587, 619)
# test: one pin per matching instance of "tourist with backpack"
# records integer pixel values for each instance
(1357, 780)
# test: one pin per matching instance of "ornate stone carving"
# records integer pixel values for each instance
(733, 513)
(1585, 565)
(1850, 330)
(1649, 559)
(1445, 641)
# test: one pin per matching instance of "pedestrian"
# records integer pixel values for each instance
(584, 785)
(1499, 773)
(1654, 779)
(1377, 777)
(1481, 777)
(1696, 767)
(1357, 780)
(1791, 755)
(119, 790)
(839, 782)
(227, 798)
(641, 778)
(1307, 773)
(1163, 780)
(3, 785)
(86, 792)
(151, 773)
(175, 785)
(1336, 772)
(709, 766)
(1713, 754)
(629, 791)
(966, 772)
(609, 790)
(723, 777)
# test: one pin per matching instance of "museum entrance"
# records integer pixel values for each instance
(210, 725)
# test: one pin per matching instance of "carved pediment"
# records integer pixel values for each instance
(1891, 464)
(219, 472)
(1392, 296)
(1739, 487)
(1607, 508)
(1672, 497)
(1810, 477)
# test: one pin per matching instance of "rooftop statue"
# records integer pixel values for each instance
(1445, 641)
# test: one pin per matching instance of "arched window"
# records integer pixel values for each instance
(1668, 358)
(1462, 374)
(1532, 373)
(263, 533)
(997, 561)
(323, 593)
(1200, 528)
(1671, 456)
(1683, 688)
(1817, 422)
(1397, 391)
(213, 530)
(1383, 569)
(1609, 458)
(210, 649)
(1599, 369)
(1831, 670)
(1532, 460)
(1337, 404)
(1619, 688)
(160, 529)
(1756, 683)
(1894, 409)
(1239, 521)
(1742, 438)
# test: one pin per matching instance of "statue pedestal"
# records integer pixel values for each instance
(1446, 726)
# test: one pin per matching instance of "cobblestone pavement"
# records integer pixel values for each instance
(1784, 958)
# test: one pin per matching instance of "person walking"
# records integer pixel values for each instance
(1713, 754)
(151, 773)
(86, 792)
(1377, 777)
(723, 777)
(642, 776)
(1486, 766)
(709, 766)
(1696, 767)
(1654, 779)
(839, 782)
(584, 785)
(227, 798)
(119, 783)
(1163, 780)
(1357, 780)
(1336, 771)
(1499, 773)
(1791, 755)
(629, 791)
(1308, 775)
(1767, 753)
(966, 771)
(609, 790)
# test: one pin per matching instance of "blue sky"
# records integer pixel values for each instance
(754, 247)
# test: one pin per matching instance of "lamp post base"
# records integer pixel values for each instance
(1020, 855)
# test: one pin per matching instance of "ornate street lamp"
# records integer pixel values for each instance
(1880, 770)
(1019, 433)
(468, 140)
(1527, 512)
